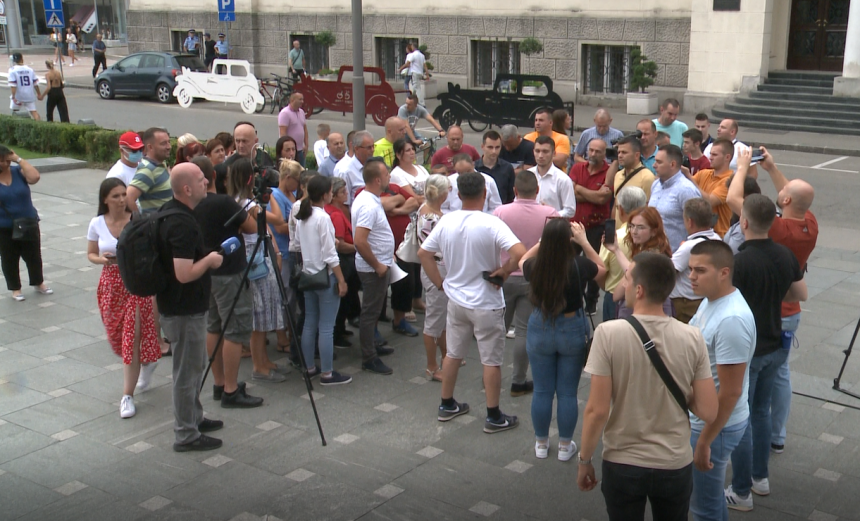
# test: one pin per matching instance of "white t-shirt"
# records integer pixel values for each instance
(471, 242)
(349, 169)
(293, 223)
(402, 178)
(491, 202)
(320, 151)
(98, 231)
(367, 212)
(25, 80)
(738, 147)
(681, 260)
(317, 233)
(415, 59)
(122, 171)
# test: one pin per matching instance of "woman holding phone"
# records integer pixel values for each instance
(128, 320)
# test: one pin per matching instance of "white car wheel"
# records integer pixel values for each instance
(184, 98)
(248, 101)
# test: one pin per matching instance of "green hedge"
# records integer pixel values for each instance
(86, 142)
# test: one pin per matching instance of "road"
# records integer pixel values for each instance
(836, 178)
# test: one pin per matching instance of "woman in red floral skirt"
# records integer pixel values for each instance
(128, 319)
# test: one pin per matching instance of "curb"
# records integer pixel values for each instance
(57, 164)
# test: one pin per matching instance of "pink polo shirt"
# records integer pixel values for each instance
(526, 218)
(295, 123)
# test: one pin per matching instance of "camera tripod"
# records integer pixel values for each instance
(261, 195)
(847, 352)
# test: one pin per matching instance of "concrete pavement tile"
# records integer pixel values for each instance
(430, 452)
(13, 362)
(62, 462)
(269, 425)
(416, 504)
(846, 424)
(845, 459)
(155, 503)
(809, 421)
(137, 448)
(54, 343)
(820, 313)
(821, 516)
(830, 438)
(484, 509)
(54, 315)
(846, 294)
(16, 441)
(388, 491)
(840, 498)
(109, 511)
(292, 449)
(518, 466)
(98, 354)
(107, 387)
(829, 475)
(91, 325)
(324, 499)
(73, 507)
(61, 373)
(15, 333)
(70, 488)
(20, 496)
(231, 490)
(64, 435)
(792, 492)
(300, 475)
(821, 277)
(336, 415)
(144, 475)
(216, 461)
(15, 397)
(835, 407)
(366, 465)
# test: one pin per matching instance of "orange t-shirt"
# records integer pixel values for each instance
(708, 181)
(562, 142)
(799, 237)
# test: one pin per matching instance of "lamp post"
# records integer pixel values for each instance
(357, 67)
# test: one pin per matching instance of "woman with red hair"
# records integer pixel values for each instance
(189, 152)
(645, 232)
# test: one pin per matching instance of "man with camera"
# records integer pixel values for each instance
(601, 130)
(712, 183)
(246, 143)
(593, 204)
(633, 173)
(728, 129)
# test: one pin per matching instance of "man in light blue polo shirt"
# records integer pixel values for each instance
(336, 150)
(668, 121)
(728, 325)
(648, 142)
(670, 191)
(600, 130)
(222, 48)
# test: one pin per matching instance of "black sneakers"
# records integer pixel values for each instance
(208, 425)
(218, 391)
(376, 366)
(202, 443)
(502, 424)
(449, 413)
(335, 378)
(239, 399)
(523, 388)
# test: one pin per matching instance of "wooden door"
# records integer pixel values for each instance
(817, 34)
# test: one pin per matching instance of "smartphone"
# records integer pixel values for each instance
(757, 157)
(609, 232)
(498, 281)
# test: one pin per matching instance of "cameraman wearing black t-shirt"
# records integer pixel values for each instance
(183, 305)
(212, 213)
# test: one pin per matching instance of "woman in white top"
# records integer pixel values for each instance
(435, 192)
(266, 296)
(72, 42)
(319, 252)
(128, 320)
(405, 173)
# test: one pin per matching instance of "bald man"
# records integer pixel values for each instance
(245, 140)
(728, 129)
(183, 305)
(395, 128)
(600, 130)
(291, 122)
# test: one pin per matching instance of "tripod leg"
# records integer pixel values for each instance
(847, 352)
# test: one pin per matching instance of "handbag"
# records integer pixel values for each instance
(408, 249)
(315, 281)
(658, 364)
(259, 269)
(23, 228)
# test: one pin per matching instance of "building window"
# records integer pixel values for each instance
(316, 55)
(606, 68)
(492, 58)
(390, 55)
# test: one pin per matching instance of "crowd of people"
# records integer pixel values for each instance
(701, 276)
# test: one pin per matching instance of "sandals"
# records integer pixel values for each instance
(433, 376)
(282, 349)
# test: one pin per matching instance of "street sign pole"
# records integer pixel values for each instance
(357, 67)
(56, 20)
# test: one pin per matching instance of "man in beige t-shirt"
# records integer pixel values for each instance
(646, 439)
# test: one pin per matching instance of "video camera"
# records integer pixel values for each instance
(612, 152)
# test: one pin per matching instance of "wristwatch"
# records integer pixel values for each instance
(585, 461)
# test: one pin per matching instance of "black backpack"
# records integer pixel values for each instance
(137, 255)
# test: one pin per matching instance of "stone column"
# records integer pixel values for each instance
(848, 85)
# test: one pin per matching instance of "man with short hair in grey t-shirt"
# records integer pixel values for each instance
(412, 112)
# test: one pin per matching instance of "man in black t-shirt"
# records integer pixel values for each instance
(245, 139)
(212, 214)
(517, 151)
(767, 274)
(183, 305)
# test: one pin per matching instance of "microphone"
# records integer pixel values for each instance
(229, 246)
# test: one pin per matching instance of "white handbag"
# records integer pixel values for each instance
(408, 249)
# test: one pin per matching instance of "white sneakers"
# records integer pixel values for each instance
(761, 487)
(126, 407)
(511, 333)
(565, 452)
(145, 378)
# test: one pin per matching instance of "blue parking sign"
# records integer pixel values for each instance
(54, 13)
(226, 10)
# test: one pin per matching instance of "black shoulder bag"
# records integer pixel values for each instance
(658, 364)
(23, 228)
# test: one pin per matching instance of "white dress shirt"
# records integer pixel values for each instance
(556, 190)
(317, 235)
(349, 169)
(491, 202)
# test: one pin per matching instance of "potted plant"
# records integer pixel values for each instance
(326, 39)
(528, 47)
(643, 73)
(327, 74)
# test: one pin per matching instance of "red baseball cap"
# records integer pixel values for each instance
(131, 140)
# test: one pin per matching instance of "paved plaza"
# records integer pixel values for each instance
(66, 454)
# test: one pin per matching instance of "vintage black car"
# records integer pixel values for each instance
(514, 100)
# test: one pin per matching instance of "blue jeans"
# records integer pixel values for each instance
(608, 307)
(750, 458)
(556, 352)
(708, 502)
(320, 311)
(781, 402)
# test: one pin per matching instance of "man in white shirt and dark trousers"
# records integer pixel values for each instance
(24, 85)
(374, 244)
(556, 188)
(471, 243)
(417, 65)
(698, 219)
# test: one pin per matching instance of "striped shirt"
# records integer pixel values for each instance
(591, 133)
(153, 181)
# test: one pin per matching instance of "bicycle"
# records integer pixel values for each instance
(282, 88)
(428, 147)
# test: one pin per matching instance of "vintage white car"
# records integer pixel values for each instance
(231, 81)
